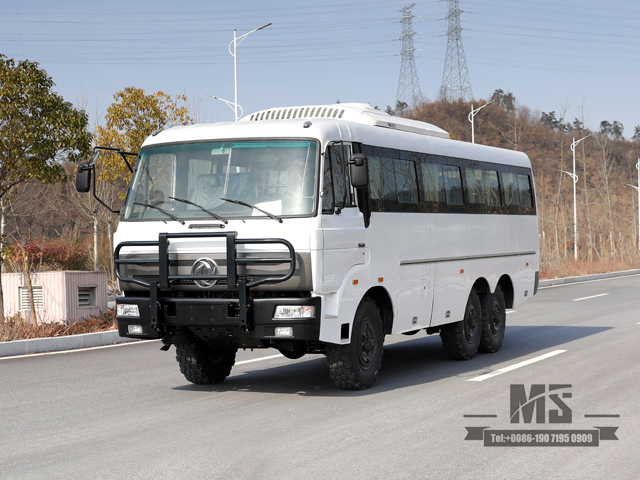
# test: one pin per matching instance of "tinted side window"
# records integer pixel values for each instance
(511, 190)
(392, 182)
(340, 155)
(491, 188)
(453, 185)
(337, 187)
(327, 191)
(525, 191)
(381, 181)
(475, 186)
(406, 181)
(433, 182)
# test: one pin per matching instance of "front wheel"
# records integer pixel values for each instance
(461, 339)
(202, 364)
(355, 366)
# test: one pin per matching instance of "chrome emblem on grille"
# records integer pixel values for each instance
(204, 266)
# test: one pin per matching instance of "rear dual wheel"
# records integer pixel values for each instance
(481, 330)
(494, 321)
(462, 339)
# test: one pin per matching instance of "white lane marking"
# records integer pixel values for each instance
(592, 296)
(259, 359)
(31, 355)
(517, 365)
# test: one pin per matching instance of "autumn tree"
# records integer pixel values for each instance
(26, 223)
(131, 118)
(38, 130)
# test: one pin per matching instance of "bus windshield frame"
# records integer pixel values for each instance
(193, 180)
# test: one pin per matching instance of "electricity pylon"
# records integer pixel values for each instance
(409, 95)
(456, 84)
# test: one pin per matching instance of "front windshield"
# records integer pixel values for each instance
(192, 181)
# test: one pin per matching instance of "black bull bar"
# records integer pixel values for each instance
(234, 280)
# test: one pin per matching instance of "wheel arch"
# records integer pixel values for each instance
(382, 299)
(506, 285)
(481, 286)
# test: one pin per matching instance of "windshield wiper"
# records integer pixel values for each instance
(240, 202)
(214, 215)
(161, 210)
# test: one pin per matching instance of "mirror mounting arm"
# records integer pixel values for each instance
(88, 169)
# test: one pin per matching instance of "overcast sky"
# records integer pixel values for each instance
(575, 54)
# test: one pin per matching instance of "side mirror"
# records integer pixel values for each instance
(358, 170)
(83, 177)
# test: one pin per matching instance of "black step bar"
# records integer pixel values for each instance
(234, 281)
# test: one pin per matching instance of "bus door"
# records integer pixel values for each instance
(401, 236)
(342, 222)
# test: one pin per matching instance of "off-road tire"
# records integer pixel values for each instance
(203, 365)
(355, 366)
(461, 339)
(494, 322)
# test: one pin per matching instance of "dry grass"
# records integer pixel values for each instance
(572, 268)
(15, 328)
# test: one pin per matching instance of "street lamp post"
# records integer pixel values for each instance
(638, 189)
(472, 115)
(574, 177)
(237, 41)
(228, 103)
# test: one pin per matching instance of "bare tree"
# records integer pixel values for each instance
(25, 223)
(605, 166)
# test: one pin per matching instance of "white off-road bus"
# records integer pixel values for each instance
(321, 229)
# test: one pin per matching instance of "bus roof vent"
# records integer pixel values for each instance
(350, 112)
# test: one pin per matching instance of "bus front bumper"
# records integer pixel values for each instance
(211, 318)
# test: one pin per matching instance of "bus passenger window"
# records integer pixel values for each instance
(475, 186)
(433, 182)
(375, 177)
(453, 185)
(511, 190)
(491, 188)
(525, 191)
(406, 181)
(381, 182)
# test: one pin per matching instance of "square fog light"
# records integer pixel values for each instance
(284, 331)
(135, 330)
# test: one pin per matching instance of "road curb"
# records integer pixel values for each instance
(57, 344)
(587, 278)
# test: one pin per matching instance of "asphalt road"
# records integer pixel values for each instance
(126, 412)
